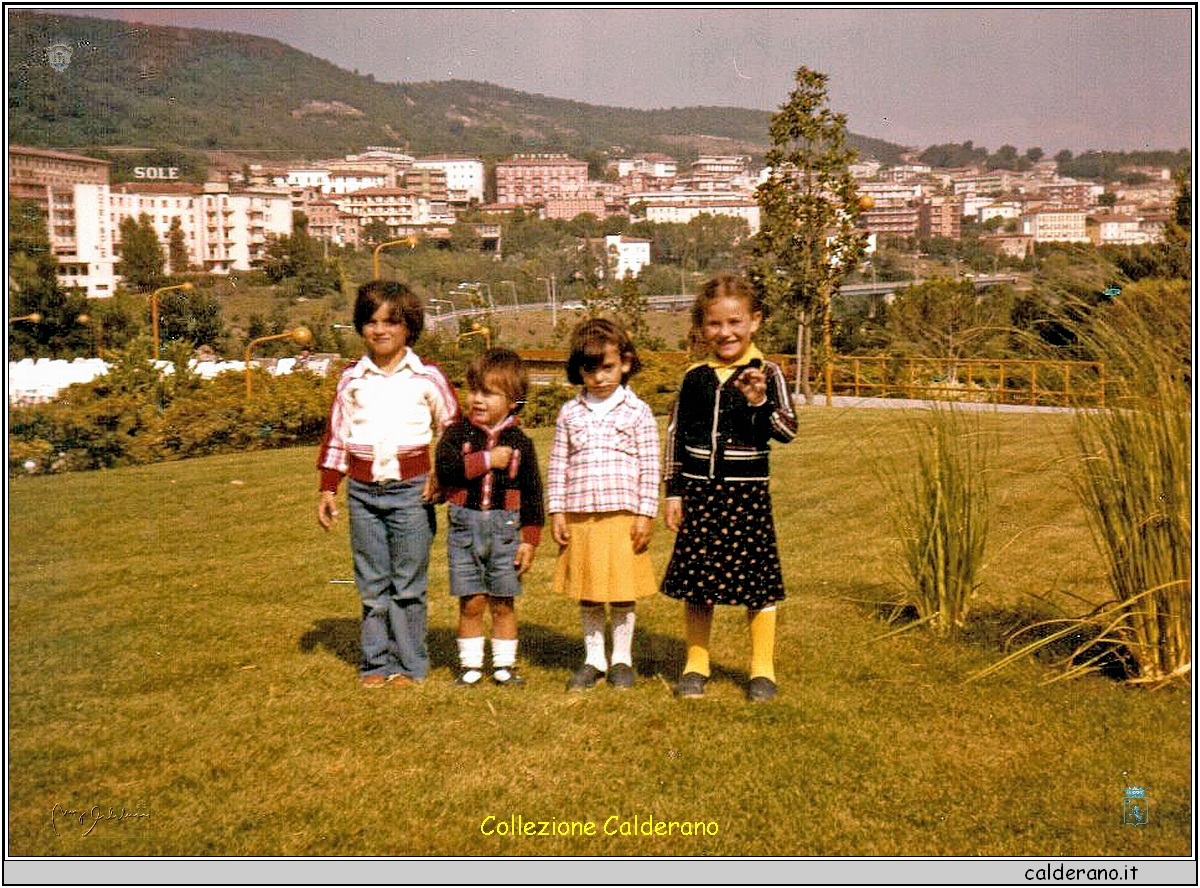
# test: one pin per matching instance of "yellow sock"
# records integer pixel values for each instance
(762, 642)
(697, 627)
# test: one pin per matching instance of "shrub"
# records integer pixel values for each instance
(940, 514)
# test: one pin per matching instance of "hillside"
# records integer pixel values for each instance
(153, 87)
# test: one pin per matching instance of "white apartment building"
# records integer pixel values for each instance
(464, 177)
(306, 179)
(658, 166)
(1061, 224)
(684, 210)
(627, 255)
(223, 232)
(399, 208)
(1126, 230)
(892, 191)
(997, 209)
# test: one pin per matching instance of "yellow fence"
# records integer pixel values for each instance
(1049, 383)
(1008, 381)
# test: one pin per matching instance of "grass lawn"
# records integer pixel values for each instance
(183, 644)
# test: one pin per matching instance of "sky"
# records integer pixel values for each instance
(1099, 77)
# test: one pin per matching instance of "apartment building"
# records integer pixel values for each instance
(532, 178)
(464, 178)
(1126, 230)
(892, 217)
(1067, 193)
(33, 174)
(683, 205)
(327, 222)
(400, 209)
(719, 167)
(1059, 224)
(570, 207)
(940, 217)
(654, 166)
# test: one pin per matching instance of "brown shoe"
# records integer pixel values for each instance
(372, 682)
(399, 680)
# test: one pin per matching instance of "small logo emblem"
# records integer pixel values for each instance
(59, 56)
(1137, 806)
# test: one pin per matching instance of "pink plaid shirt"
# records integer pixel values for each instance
(604, 463)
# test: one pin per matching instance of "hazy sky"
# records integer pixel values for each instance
(1079, 78)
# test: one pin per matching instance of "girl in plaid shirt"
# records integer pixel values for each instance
(602, 487)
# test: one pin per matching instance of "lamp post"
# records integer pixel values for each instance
(33, 318)
(410, 240)
(476, 330)
(302, 336)
(154, 314)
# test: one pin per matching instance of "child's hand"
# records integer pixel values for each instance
(498, 457)
(752, 383)
(640, 533)
(327, 509)
(558, 527)
(524, 559)
(673, 514)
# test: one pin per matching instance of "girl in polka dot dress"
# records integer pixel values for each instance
(718, 499)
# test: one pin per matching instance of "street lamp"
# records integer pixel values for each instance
(154, 314)
(302, 336)
(410, 240)
(476, 330)
(33, 318)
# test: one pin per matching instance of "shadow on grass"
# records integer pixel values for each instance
(1002, 630)
(653, 652)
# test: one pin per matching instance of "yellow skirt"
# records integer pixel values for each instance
(598, 563)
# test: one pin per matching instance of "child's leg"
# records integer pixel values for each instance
(504, 636)
(697, 628)
(624, 615)
(470, 637)
(409, 539)
(762, 642)
(591, 614)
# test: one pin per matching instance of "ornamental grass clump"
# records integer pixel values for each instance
(940, 515)
(1131, 468)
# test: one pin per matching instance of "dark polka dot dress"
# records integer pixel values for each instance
(725, 552)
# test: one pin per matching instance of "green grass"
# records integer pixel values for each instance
(176, 646)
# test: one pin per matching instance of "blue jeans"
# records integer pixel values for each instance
(390, 535)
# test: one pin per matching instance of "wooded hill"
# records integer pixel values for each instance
(154, 88)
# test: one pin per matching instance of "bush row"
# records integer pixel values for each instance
(133, 415)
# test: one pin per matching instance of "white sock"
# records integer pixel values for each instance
(623, 618)
(504, 653)
(592, 617)
(470, 657)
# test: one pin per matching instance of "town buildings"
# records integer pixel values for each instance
(228, 223)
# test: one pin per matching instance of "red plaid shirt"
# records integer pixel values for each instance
(604, 463)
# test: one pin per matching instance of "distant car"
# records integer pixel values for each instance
(573, 305)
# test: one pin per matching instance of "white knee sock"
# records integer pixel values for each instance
(504, 654)
(592, 617)
(623, 618)
(470, 657)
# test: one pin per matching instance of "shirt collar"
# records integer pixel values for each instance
(366, 365)
(751, 354)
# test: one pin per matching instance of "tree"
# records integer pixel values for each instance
(141, 254)
(946, 318)
(33, 288)
(809, 237)
(376, 232)
(177, 250)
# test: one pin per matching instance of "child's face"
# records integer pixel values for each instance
(490, 404)
(603, 379)
(386, 337)
(728, 327)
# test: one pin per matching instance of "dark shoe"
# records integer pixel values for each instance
(513, 678)
(585, 677)
(461, 681)
(690, 686)
(621, 675)
(761, 690)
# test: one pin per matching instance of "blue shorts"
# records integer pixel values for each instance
(480, 548)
